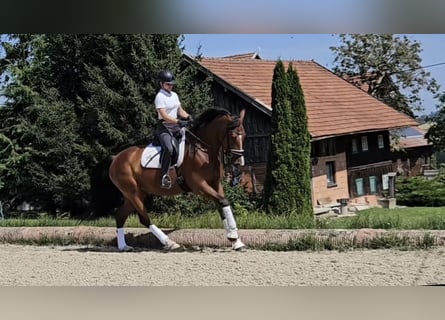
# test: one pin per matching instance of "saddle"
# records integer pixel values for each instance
(151, 156)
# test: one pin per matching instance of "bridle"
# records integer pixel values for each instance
(234, 129)
(230, 153)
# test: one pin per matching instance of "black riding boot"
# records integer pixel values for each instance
(165, 165)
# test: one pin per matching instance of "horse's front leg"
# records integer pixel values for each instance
(229, 223)
(226, 214)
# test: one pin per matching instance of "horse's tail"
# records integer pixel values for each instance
(105, 196)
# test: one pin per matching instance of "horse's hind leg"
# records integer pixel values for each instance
(121, 216)
(137, 200)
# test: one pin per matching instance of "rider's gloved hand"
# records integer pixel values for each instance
(183, 123)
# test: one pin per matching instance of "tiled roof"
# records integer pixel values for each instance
(244, 56)
(407, 143)
(412, 137)
(334, 106)
(357, 81)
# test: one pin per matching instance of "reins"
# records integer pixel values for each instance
(198, 138)
(228, 152)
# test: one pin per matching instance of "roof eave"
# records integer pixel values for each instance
(253, 101)
(322, 137)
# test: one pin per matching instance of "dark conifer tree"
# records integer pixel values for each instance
(301, 188)
(73, 100)
(287, 184)
(278, 176)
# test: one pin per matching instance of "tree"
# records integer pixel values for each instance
(387, 66)
(73, 100)
(302, 193)
(15, 68)
(287, 183)
(436, 133)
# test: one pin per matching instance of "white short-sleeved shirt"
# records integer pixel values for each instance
(168, 101)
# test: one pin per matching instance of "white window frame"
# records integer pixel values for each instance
(385, 182)
(330, 174)
(381, 142)
(365, 143)
(354, 146)
(361, 182)
(372, 184)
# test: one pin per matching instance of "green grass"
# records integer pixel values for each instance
(401, 218)
(313, 243)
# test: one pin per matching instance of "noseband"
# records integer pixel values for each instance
(234, 128)
(234, 152)
(230, 154)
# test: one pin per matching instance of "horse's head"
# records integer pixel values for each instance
(218, 128)
(234, 145)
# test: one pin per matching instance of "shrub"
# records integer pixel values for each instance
(192, 205)
(419, 192)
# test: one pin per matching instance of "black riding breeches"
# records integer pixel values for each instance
(166, 142)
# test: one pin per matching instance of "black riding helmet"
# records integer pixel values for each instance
(166, 76)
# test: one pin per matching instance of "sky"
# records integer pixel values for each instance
(311, 47)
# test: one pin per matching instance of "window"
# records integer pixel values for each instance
(326, 147)
(380, 141)
(365, 143)
(323, 148)
(372, 184)
(330, 173)
(359, 186)
(354, 146)
(385, 181)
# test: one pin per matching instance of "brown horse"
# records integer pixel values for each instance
(215, 134)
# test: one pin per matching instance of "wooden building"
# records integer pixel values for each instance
(349, 129)
(412, 151)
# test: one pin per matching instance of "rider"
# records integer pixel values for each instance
(171, 117)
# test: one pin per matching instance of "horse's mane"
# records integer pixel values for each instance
(208, 116)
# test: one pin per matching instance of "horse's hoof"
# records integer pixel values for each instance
(126, 249)
(238, 245)
(171, 245)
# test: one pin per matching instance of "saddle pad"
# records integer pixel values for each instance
(151, 156)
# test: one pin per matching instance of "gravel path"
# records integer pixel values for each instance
(104, 266)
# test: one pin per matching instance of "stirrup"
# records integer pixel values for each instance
(166, 181)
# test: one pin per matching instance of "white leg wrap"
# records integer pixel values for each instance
(121, 244)
(159, 234)
(229, 223)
